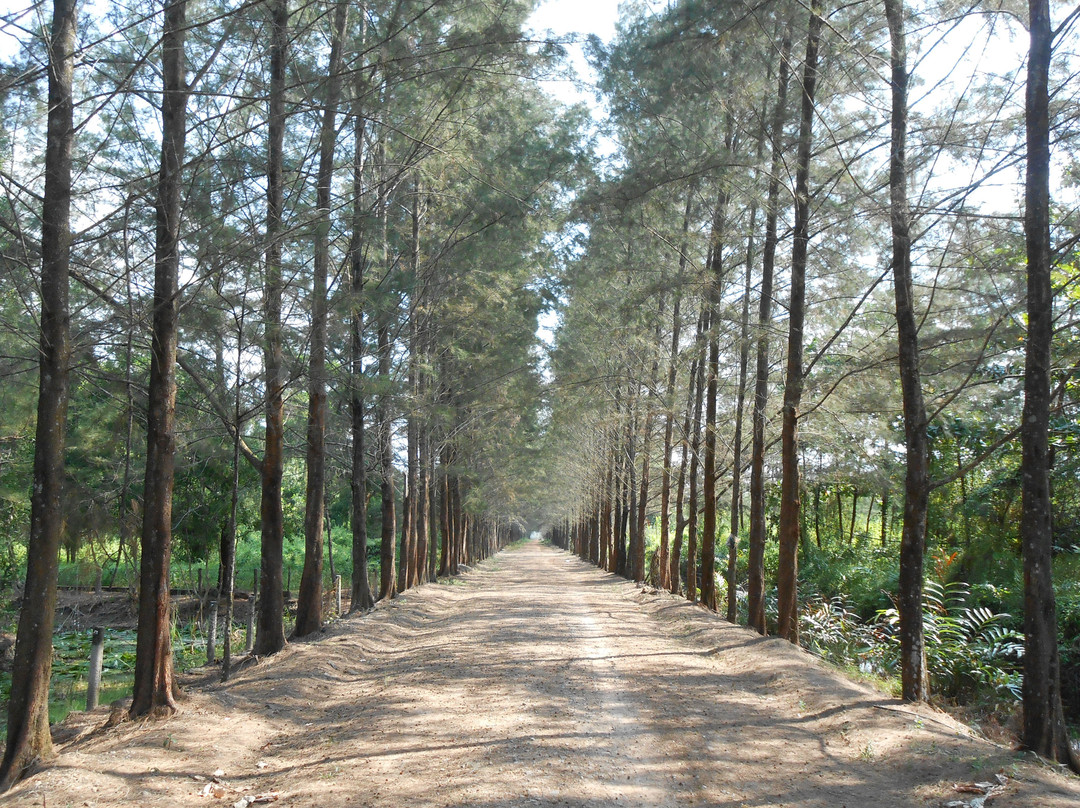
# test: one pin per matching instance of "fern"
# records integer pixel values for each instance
(969, 649)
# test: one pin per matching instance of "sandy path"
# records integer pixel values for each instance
(537, 680)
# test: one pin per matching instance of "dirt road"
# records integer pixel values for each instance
(537, 680)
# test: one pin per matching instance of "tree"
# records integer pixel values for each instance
(756, 556)
(708, 485)
(155, 691)
(787, 572)
(1044, 722)
(913, 675)
(28, 738)
(309, 602)
(270, 637)
(361, 587)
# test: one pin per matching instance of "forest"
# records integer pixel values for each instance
(781, 318)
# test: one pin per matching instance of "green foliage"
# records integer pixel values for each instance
(969, 649)
(862, 575)
(71, 653)
(831, 629)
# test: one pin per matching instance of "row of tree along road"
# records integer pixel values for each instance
(280, 267)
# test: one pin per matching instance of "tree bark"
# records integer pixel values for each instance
(914, 682)
(1044, 724)
(666, 566)
(636, 544)
(854, 512)
(154, 688)
(708, 485)
(309, 599)
(639, 570)
(884, 516)
(839, 515)
(755, 596)
(270, 633)
(228, 550)
(680, 490)
(361, 597)
(28, 738)
(788, 565)
(388, 536)
(695, 451)
(736, 462)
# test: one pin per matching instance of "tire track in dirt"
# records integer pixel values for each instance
(536, 680)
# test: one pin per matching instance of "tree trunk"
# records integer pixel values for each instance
(444, 512)
(666, 566)
(605, 515)
(788, 565)
(854, 511)
(361, 598)
(309, 600)
(708, 485)
(228, 550)
(270, 633)
(1044, 723)
(646, 450)
(695, 447)
(28, 737)
(736, 463)
(839, 515)
(423, 509)
(433, 509)
(680, 490)
(407, 530)
(154, 688)
(914, 682)
(636, 539)
(755, 596)
(817, 515)
(388, 537)
(884, 516)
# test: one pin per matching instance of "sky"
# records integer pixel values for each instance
(570, 17)
(577, 16)
(565, 18)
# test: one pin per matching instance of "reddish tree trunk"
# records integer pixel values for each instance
(309, 599)
(695, 447)
(755, 594)
(154, 688)
(28, 738)
(736, 463)
(708, 485)
(270, 634)
(788, 565)
(361, 584)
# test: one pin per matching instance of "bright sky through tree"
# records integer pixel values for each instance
(577, 19)
(577, 16)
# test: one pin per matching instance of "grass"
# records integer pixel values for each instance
(71, 652)
(72, 696)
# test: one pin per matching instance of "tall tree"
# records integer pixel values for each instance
(28, 738)
(669, 570)
(309, 601)
(361, 586)
(385, 417)
(712, 372)
(913, 674)
(788, 564)
(1044, 722)
(155, 689)
(270, 637)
